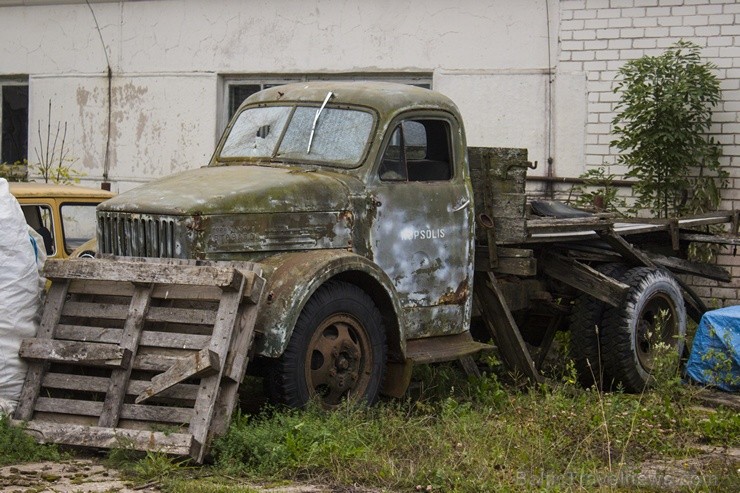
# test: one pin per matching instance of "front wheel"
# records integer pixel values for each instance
(653, 313)
(337, 350)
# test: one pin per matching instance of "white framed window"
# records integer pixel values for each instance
(237, 88)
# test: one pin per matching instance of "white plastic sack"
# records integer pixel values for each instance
(20, 295)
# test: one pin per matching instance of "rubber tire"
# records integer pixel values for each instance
(585, 317)
(288, 383)
(619, 341)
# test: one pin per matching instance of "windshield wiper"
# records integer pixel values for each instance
(316, 120)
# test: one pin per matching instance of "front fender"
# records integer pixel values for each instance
(291, 280)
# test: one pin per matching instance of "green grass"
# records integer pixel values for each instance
(480, 435)
(456, 434)
(17, 447)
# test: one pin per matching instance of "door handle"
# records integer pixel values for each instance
(462, 206)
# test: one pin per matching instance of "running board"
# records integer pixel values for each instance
(443, 348)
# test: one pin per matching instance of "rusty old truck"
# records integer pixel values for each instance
(341, 233)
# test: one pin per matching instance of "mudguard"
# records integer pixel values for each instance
(293, 277)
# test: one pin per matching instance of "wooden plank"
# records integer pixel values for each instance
(163, 414)
(584, 278)
(238, 356)
(682, 266)
(166, 291)
(69, 406)
(468, 364)
(107, 311)
(92, 436)
(594, 223)
(148, 337)
(32, 384)
(700, 238)
(631, 254)
(130, 342)
(181, 315)
(231, 264)
(81, 353)
(524, 267)
(515, 252)
(221, 340)
(199, 364)
(228, 396)
(66, 381)
(105, 288)
(253, 288)
(695, 306)
(146, 273)
(503, 328)
(673, 230)
(89, 334)
(717, 217)
(157, 360)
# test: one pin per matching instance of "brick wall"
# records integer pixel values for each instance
(598, 36)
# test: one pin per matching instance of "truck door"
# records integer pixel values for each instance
(422, 234)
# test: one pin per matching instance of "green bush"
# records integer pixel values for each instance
(664, 113)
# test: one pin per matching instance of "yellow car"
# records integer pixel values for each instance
(64, 215)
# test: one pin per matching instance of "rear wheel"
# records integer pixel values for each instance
(585, 327)
(337, 350)
(653, 313)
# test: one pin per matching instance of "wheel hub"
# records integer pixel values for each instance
(657, 324)
(338, 360)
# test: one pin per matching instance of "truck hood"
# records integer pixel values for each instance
(238, 190)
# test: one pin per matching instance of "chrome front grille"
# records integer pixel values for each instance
(138, 235)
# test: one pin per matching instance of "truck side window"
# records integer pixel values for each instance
(39, 218)
(419, 150)
(393, 166)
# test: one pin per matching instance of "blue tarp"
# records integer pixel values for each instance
(715, 355)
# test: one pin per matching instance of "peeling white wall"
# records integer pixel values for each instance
(160, 123)
(167, 56)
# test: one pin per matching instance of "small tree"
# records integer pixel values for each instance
(663, 115)
(54, 164)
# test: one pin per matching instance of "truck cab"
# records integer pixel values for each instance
(333, 187)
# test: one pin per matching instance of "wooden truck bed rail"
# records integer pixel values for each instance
(143, 354)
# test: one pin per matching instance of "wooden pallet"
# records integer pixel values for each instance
(144, 354)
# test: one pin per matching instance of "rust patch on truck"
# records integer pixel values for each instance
(458, 297)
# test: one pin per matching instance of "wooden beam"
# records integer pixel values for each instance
(32, 384)
(92, 436)
(594, 223)
(585, 279)
(694, 268)
(720, 240)
(631, 254)
(145, 273)
(75, 352)
(199, 364)
(238, 357)
(130, 342)
(221, 340)
(503, 328)
(87, 383)
(695, 306)
(148, 337)
(108, 311)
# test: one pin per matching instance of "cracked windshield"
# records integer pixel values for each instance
(282, 134)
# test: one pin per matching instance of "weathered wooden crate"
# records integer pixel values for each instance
(144, 354)
(499, 180)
